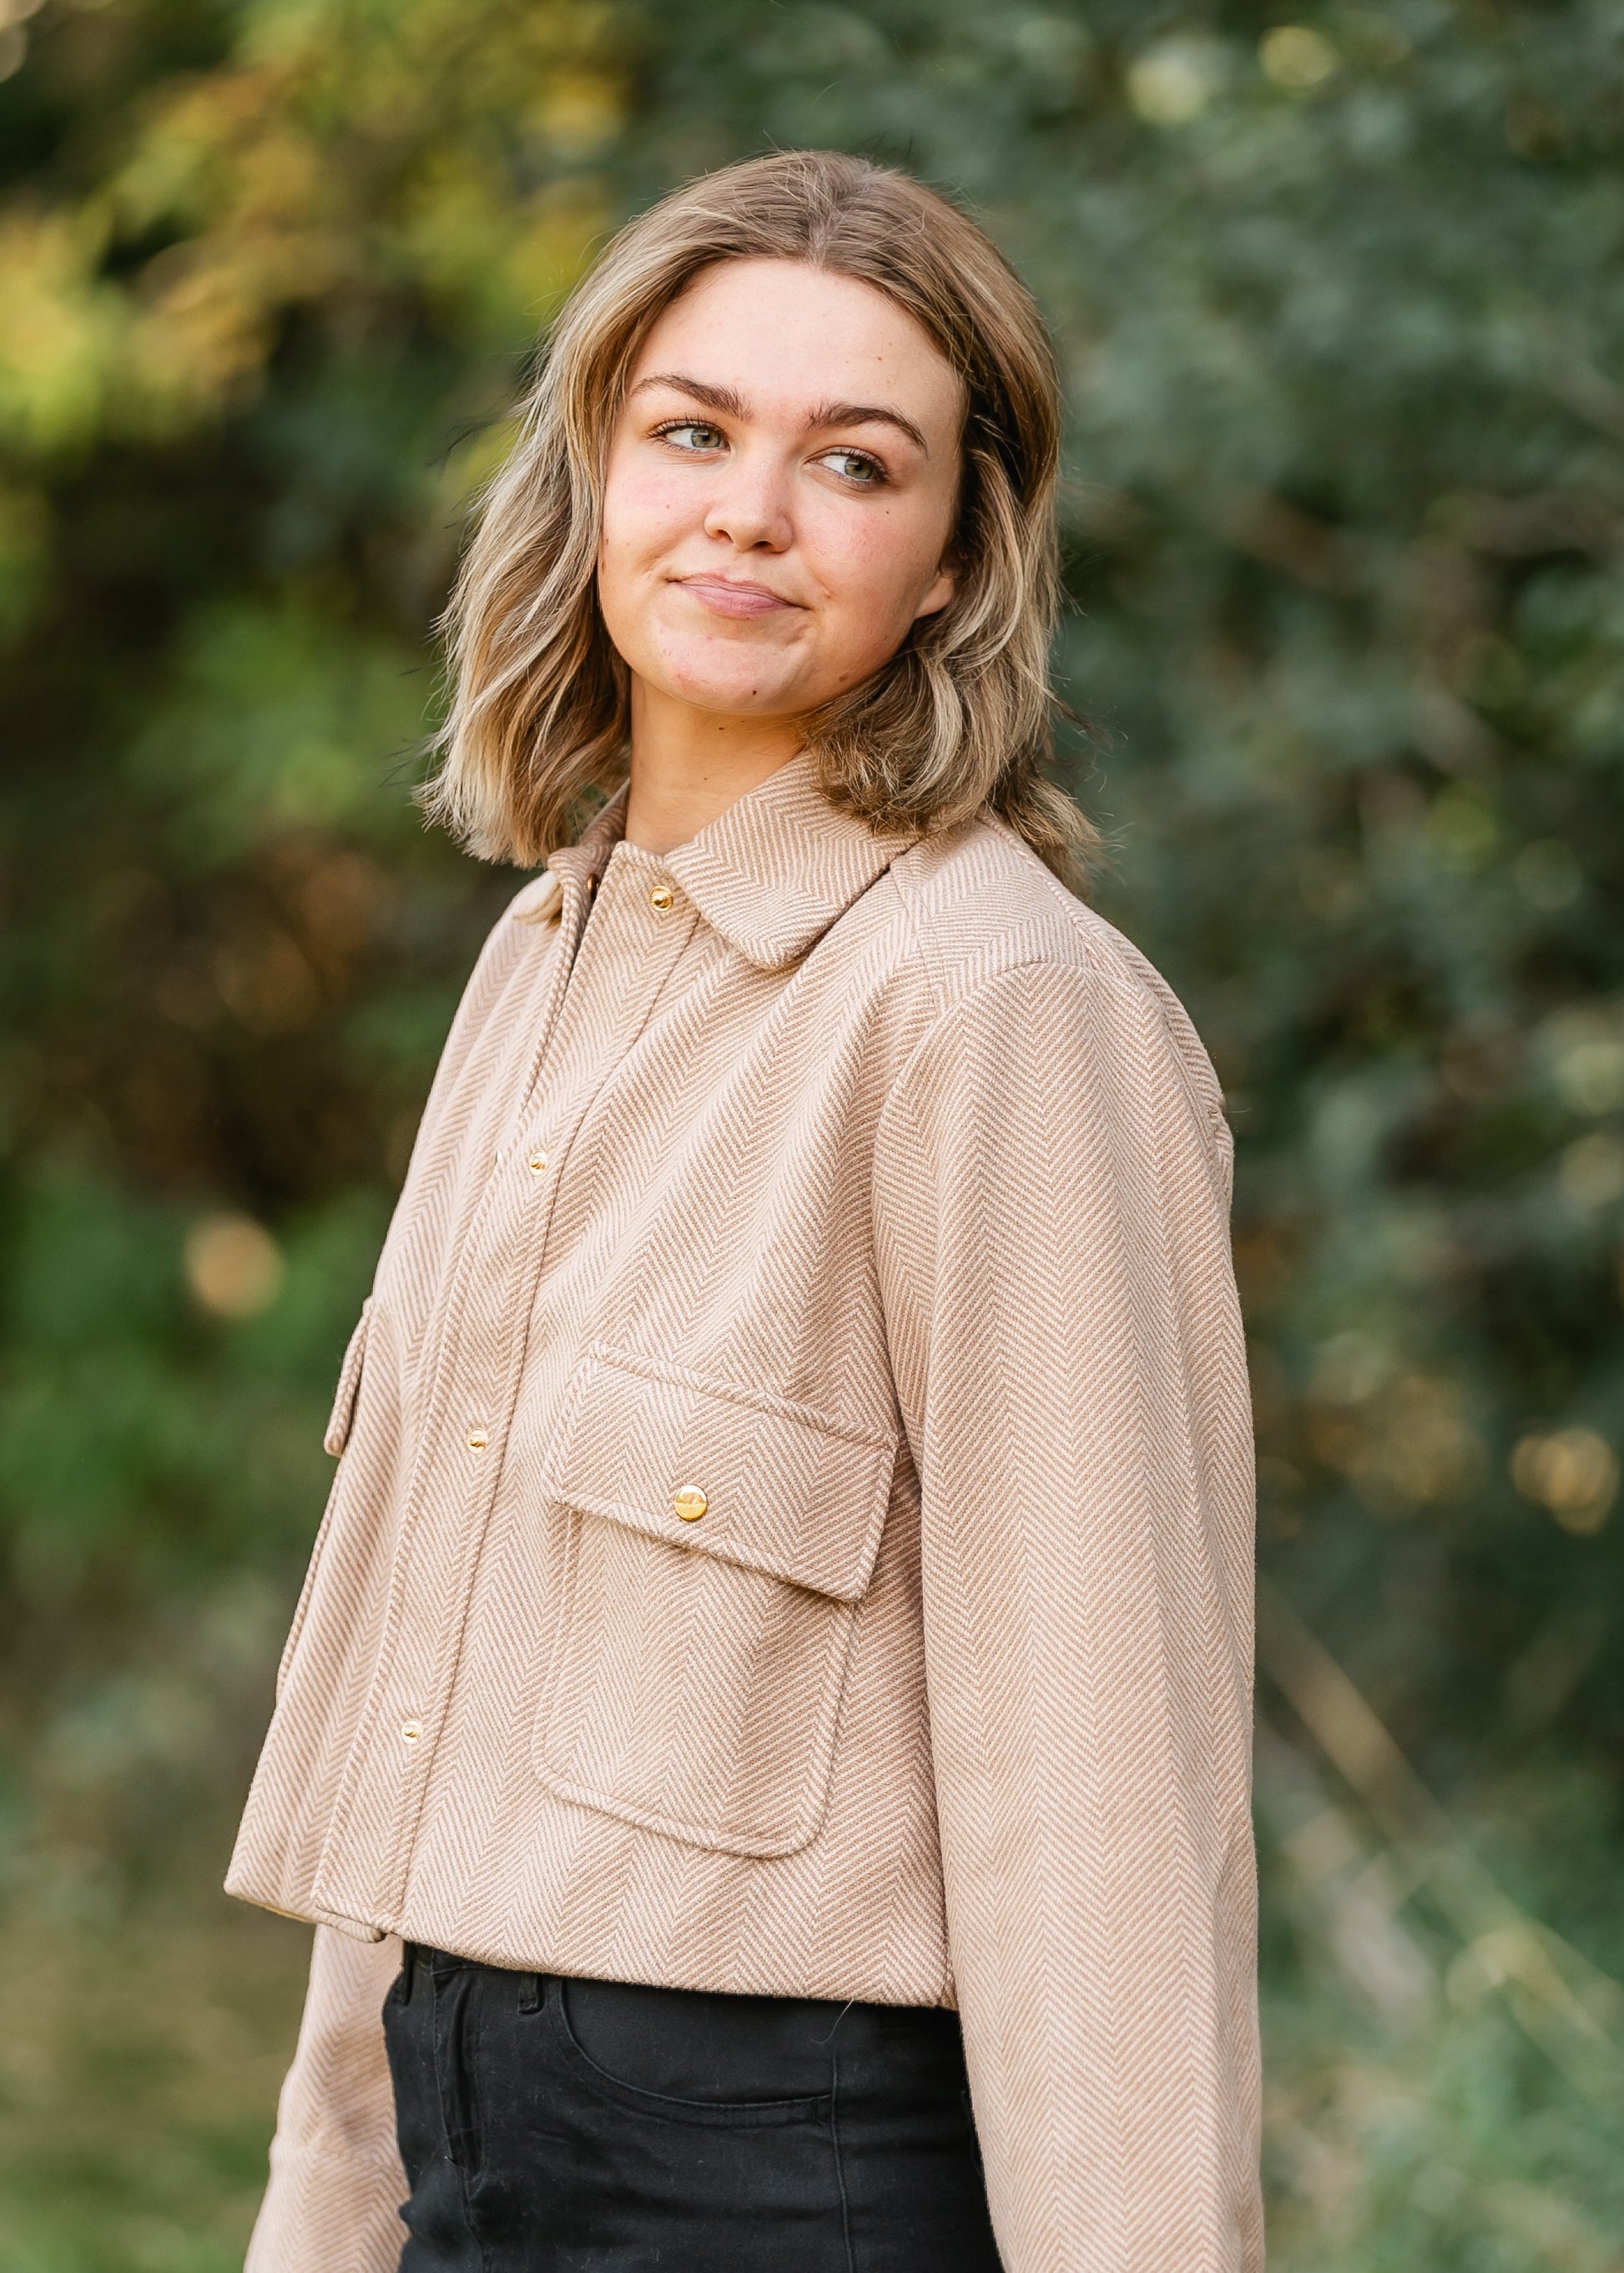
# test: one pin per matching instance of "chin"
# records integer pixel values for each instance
(738, 693)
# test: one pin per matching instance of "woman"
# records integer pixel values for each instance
(773, 1675)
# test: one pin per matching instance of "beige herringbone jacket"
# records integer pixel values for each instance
(793, 1525)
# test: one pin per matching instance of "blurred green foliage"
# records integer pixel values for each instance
(1341, 304)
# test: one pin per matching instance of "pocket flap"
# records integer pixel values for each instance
(770, 1485)
(349, 1384)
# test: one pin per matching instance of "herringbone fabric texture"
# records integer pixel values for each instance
(794, 1528)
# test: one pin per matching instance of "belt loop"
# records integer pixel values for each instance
(532, 1988)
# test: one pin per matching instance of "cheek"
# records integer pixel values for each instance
(645, 508)
(878, 564)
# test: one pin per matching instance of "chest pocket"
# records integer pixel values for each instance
(336, 1436)
(719, 1544)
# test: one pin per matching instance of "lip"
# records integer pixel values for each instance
(727, 597)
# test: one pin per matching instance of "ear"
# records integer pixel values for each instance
(940, 592)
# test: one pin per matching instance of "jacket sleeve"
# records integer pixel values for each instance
(336, 2181)
(1051, 1216)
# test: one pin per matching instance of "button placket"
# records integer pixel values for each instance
(630, 963)
(373, 1771)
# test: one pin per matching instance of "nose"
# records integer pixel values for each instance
(751, 507)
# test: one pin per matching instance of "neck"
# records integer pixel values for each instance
(690, 765)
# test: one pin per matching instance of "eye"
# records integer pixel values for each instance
(856, 466)
(693, 435)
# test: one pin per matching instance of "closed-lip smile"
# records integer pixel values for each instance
(736, 596)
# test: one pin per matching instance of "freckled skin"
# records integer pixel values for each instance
(764, 547)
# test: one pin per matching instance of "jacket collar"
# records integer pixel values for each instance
(777, 869)
(772, 874)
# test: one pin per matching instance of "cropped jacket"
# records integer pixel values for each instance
(792, 1530)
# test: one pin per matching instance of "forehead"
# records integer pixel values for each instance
(785, 336)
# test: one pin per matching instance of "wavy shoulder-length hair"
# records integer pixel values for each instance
(960, 720)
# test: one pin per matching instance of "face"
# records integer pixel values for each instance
(781, 488)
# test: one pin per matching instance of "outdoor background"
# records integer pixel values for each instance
(1340, 305)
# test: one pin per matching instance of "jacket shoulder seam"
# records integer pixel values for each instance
(1101, 962)
(918, 946)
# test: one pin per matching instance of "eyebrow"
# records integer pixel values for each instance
(728, 399)
(868, 414)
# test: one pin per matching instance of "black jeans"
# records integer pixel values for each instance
(556, 2125)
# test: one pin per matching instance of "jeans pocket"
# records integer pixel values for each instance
(665, 2075)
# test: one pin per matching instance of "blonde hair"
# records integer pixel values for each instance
(959, 720)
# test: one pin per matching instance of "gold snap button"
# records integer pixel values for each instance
(689, 1501)
(662, 898)
(537, 1163)
(477, 1439)
(411, 1732)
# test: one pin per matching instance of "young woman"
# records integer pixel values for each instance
(764, 1740)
